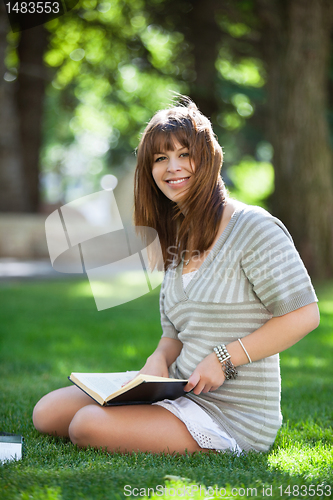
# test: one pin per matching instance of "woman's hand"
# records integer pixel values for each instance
(155, 365)
(164, 355)
(207, 376)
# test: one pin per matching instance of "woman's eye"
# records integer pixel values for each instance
(160, 158)
(185, 154)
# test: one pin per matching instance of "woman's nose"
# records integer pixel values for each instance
(173, 165)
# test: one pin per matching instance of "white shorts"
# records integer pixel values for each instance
(200, 425)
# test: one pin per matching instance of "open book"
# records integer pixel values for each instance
(108, 389)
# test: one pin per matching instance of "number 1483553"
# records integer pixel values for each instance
(304, 490)
(33, 7)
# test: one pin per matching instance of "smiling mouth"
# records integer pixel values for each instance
(178, 181)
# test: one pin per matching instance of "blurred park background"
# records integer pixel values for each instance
(76, 93)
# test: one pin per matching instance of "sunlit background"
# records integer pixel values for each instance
(75, 95)
(80, 89)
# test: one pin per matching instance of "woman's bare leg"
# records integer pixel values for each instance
(69, 412)
(131, 428)
(55, 411)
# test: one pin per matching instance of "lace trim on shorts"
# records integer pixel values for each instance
(204, 430)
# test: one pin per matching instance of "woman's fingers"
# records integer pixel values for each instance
(192, 381)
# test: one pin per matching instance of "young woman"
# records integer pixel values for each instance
(235, 294)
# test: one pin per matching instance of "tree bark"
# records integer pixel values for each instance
(12, 194)
(30, 99)
(296, 41)
(197, 21)
(21, 104)
(204, 35)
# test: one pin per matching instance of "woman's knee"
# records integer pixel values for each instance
(84, 425)
(54, 412)
(42, 417)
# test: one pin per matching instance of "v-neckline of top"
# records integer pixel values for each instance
(210, 257)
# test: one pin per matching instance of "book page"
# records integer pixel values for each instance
(105, 384)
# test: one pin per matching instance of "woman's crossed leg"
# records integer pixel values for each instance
(68, 412)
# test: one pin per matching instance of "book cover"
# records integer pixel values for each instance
(110, 389)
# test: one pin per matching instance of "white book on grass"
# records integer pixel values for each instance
(10, 447)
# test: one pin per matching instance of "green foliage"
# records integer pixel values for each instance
(253, 181)
(113, 64)
(49, 329)
(247, 71)
(37, 493)
(111, 72)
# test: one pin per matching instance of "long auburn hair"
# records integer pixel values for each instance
(204, 201)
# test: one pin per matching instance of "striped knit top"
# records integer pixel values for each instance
(252, 273)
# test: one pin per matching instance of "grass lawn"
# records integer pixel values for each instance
(49, 329)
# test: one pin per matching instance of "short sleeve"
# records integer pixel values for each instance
(168, 328)
(274, 268)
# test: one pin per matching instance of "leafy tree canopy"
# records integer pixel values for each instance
(113, 64)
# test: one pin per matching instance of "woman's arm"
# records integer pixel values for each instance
(164, 355)
(275, 336)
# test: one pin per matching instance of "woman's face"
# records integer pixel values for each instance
(173, 172)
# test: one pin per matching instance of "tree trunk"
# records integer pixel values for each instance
(21, 105)
(204, 34)
(30, 99)
(296, 41)
(12, 193)
(197, 21)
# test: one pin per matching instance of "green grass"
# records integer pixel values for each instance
(49, 329)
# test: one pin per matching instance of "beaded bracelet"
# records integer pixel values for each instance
(223, 356)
